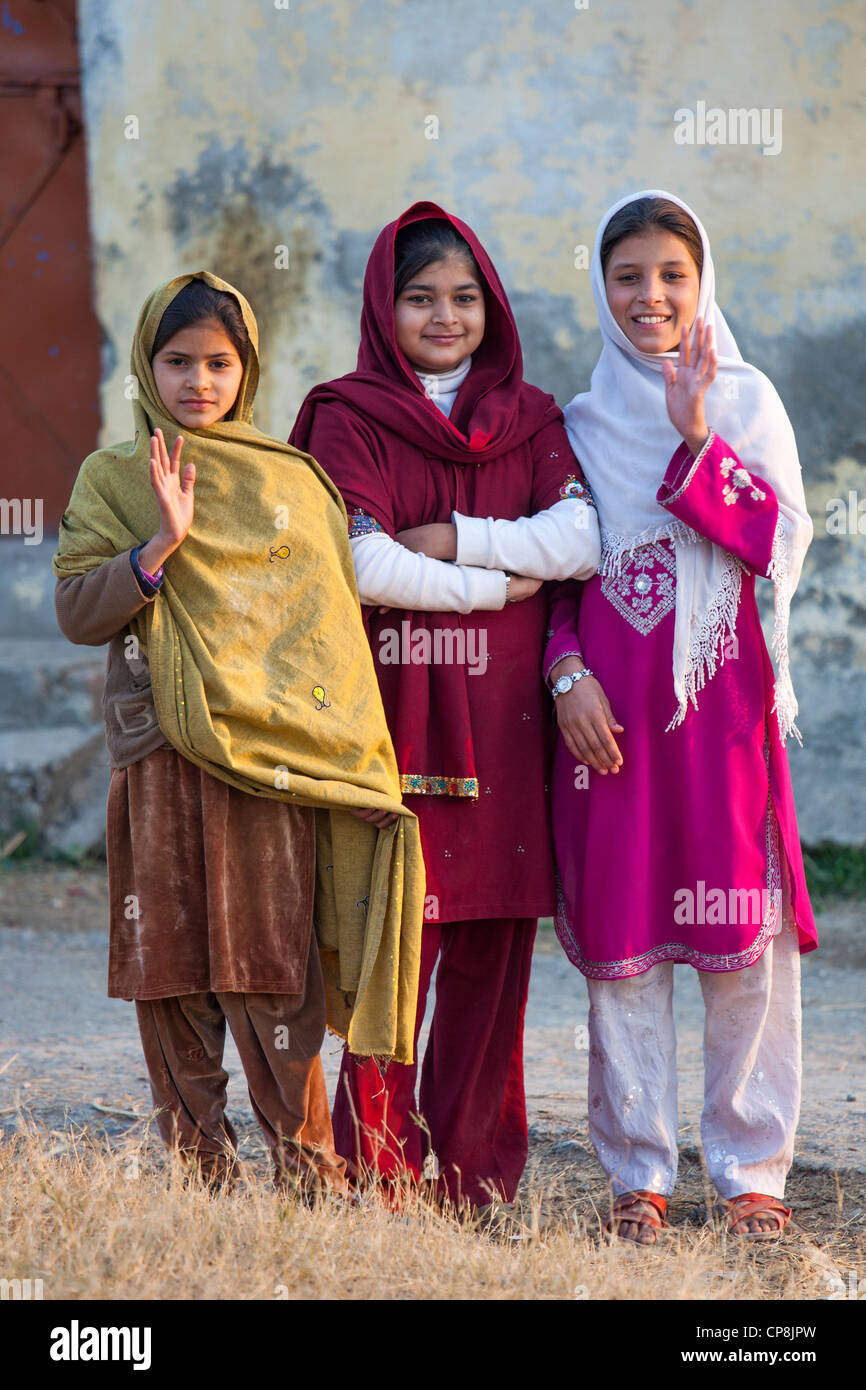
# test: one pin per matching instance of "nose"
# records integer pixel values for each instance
(652, 292)
(197, 377)
(444, 312)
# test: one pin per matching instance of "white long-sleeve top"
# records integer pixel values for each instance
(562, 542)
(559, 543)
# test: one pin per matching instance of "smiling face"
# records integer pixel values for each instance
(652, 286)
(198, 373)
(439, 315)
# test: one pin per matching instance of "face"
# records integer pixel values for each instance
(439, 316)
(652, 288)
(198, 373)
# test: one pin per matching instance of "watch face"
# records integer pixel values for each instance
(564, 683)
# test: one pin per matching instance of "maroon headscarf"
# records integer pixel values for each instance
(495, 409)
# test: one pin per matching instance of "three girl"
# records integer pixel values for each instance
(676, 835)
(673, 818)
(444, 454)
(246, 733)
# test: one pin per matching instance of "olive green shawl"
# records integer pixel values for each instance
(261, 670)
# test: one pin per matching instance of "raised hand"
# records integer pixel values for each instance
(174, 498)
(686, 385)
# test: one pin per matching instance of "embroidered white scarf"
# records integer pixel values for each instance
(621, 433)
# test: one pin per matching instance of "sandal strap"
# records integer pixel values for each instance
(750, 1204)
(627, 1200)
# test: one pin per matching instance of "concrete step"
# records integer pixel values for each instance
(46, 681)
(53, 783)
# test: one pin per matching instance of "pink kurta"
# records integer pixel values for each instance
(684, 854)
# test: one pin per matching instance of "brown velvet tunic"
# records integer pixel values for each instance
(210, 888)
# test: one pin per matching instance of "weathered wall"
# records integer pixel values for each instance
(306, 126)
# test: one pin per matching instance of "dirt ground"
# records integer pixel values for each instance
(70, 1058)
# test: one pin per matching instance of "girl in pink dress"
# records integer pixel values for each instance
(674, 823)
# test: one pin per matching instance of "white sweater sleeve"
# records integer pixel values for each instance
(560, 543)
(390, 574)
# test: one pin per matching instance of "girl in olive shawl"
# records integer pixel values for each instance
(253, 780)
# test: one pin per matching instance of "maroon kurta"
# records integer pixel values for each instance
(487, 856)
(476, 738)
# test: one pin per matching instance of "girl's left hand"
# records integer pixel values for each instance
(378, 818)
(437, 540)
(686, 385)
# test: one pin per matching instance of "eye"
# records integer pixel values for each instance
(418, 299)
(675, 274)
(220, 362)
(176, 361)
(467, 298)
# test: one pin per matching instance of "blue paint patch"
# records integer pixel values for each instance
(43, 256)
(9, 23)
(53, 350)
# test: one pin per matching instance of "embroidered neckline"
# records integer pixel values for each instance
(641, 597)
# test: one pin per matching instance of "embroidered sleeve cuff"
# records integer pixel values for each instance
(149, 586)
(680, 471)
(551, 661)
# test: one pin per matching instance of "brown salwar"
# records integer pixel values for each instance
(223, 932)
(277, 1036)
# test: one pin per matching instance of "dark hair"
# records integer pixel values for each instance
(644, 213)
(195, 303)
(421, 243)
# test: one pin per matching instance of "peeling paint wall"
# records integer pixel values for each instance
(305, 125)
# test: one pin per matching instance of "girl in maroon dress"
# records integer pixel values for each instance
(434, 436)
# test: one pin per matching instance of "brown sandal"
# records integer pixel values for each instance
(646, 1208)
(751, 1204)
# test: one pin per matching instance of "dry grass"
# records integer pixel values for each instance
(97, 1218)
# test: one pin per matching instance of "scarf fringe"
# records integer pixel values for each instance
(618, 550)
(784, 700)
(707, 643)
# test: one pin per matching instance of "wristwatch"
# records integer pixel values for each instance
(566, 682)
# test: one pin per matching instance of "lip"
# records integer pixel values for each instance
(664, 319)
(442, 337)
(197, 405)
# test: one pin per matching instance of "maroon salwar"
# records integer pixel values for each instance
(471, 1094)
(473, 750)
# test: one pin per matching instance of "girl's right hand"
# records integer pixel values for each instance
(174, 498)
(522, 587)
(587, 725)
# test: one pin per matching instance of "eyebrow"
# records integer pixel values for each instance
(636, 265)
(207, 356)
(470, 285)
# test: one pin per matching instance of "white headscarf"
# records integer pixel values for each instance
(623, 437)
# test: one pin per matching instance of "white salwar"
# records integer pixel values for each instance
(752, 1074)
